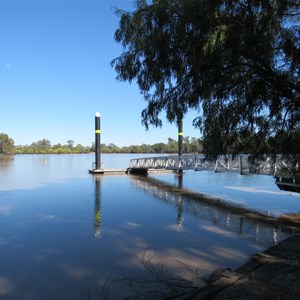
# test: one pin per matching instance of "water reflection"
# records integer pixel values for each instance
(220, 218)
(180, 211)
(97, 210)
(179, 176)
(5, 162)
(52, 252)
(257, 192)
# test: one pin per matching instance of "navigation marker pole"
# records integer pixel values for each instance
(97, 141)
(180, 138)
(180, 143)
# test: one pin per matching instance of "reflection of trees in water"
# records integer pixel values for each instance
(219, 216)
(97, 210)
(6, 161)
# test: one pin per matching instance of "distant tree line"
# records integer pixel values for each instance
(190, 145)
(44, 146)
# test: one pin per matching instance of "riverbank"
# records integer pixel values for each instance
(272, 274)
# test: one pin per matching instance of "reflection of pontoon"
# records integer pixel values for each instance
(288, 183)
(226, 219)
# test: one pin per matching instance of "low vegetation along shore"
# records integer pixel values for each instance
(190, 145)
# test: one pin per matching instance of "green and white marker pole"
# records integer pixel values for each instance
(97, 141)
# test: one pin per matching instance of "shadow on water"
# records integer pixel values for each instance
(248, 223)
(160, 281)
(61, 238)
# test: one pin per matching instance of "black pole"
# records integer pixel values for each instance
(180, 137)
(97, 142)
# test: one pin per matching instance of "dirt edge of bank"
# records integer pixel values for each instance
(272, 274)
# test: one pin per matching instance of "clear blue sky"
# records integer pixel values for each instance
(55, 74)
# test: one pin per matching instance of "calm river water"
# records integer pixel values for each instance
(64, 232)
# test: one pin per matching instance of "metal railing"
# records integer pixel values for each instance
(238, 163)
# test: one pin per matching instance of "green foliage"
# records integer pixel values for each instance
(6, 144)
(193, 145)
(70, 143)
(237, 62)
(44, 147)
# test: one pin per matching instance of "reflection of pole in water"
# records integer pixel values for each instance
(241, 225)
(180, 212)
(180, 180)
(257, 232)
(275, 236)
(228, 220)
(180, 201)
(215, 215)
(97, 211)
